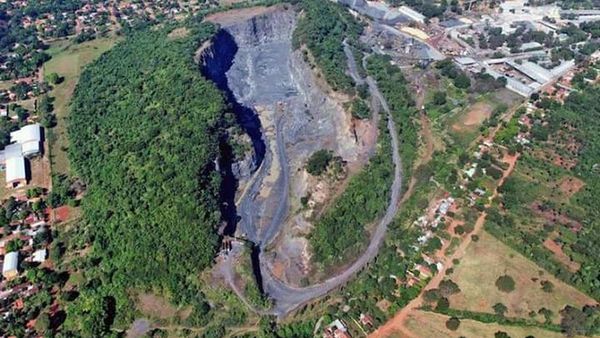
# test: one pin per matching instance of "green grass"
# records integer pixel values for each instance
(68, 60)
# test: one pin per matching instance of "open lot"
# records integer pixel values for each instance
(488, 259)
(474, 116)
(68, 61)
(432, 325)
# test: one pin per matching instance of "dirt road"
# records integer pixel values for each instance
(396, 324)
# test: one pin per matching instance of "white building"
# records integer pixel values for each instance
(10, 268)
(16, 174)
(30, 138)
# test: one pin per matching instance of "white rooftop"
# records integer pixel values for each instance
(11, 262)
(15, 169)
(30, 132)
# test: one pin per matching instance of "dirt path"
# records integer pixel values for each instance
(396, 324)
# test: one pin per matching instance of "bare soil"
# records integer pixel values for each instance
(570, 185)
(156, 306)
(474, 117)
(237, 15)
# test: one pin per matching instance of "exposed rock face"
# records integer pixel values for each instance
(253, 59)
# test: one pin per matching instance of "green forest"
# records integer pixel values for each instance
(324, 38)
(144, 130)
(394, 89)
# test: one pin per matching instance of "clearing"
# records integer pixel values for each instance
(473, 117)
(158, 307)
(488, 259)
(68, 61)
(432, 325)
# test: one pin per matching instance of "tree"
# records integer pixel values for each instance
(453, 323)
(443, 304)
(360, 109)
(462, 81)
(432, 295)
(54, 78)
(547, 286)
(505, 283)
(439, 98)
(501, 334)
(500, 309)
(14, 245)
(42, 324)
(318, 162)
(448, 288)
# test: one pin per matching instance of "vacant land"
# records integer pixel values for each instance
(488, 259)
(68, 61)
(474, 116)
(432, 325)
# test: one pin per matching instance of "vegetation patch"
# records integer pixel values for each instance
(324, 38)
(144, 129)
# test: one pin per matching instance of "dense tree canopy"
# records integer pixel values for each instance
(144, 134)
(323, 27)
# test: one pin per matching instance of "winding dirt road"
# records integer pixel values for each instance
(288, 298)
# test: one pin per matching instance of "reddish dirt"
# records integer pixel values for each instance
(60, 214)
(560, 255)
(554, 216)
(478, 113)
(570, 185)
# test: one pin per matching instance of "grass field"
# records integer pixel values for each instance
(432, 325)
(488, 259)
(68, 60)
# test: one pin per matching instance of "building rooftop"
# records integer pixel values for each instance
(28, 133)
(11, 262)
(15, 169)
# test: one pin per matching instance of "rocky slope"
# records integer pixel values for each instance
(288, 116)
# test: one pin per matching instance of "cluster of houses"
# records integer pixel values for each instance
(25, 143)
(29, 251)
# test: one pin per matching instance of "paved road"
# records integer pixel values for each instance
(288, 298)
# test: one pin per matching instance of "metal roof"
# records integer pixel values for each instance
(15, 169)
(30, 148)
(11, 262)
(28, 133)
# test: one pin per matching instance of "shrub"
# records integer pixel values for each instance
(505, 283)
(500, 309)
(547, 286)
(318, 162)
(453, 323)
